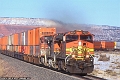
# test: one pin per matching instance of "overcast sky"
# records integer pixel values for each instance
(99, 12)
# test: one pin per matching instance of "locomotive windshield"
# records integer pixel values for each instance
(71, 37)
(86, 37)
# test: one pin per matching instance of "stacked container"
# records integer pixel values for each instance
(15, 39)
(107, 45)
(97, 45)
(27, 42)
(4, 44)
(117, 45)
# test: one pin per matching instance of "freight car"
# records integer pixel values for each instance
(106, 46)
(70, 51)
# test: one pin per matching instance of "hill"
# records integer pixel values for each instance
(15, 25)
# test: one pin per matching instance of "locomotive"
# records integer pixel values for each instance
(71, 51)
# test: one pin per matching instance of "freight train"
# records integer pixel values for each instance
(106, 46)
(71, 51)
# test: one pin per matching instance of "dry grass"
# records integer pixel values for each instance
(111, 72)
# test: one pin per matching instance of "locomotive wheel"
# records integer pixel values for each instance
(61, 65)
(51, 63)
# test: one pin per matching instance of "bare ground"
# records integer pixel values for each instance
(108, 68)
(107, 65)
(10, 67)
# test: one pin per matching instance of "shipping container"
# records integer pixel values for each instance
(19, 38)
(10, 40)
(97, 45)
(47, 31)
(30, 37)
(33, 37)
(0, 41)
(117, 45)
(12, 36)
(42, 31)
(37, 36)
(24, 38)
(31, 50)
(8, 47)
(0, 48)
(27, 50)
(22, 49)
(11, 48)
(34, 51)
(19, 49)
(15, 39)
(4, 47)
(37, 50)
(107, 45)
(5, 40)
(16, 48)
(11, 52)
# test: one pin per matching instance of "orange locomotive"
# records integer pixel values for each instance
(71, 51)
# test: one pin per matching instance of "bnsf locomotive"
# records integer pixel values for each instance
(70, 51)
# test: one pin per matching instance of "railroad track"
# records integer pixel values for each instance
(78, 76)
(88, 77)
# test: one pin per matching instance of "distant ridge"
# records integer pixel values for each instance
(9, 26)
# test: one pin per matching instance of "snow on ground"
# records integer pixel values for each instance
(107, 65)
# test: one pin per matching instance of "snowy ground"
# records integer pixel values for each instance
(107, 65)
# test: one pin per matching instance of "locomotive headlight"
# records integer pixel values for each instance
(73, 56)
(79, 43)
(87, 56)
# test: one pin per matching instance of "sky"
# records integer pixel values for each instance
(99, 12)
